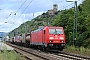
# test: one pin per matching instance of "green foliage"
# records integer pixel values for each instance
(87, 43)
(78, 50)
(9, 55)
(82, 49)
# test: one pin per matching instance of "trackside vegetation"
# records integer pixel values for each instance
(10, 55)
(78, 50)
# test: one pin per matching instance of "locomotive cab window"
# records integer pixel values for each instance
(55, 31)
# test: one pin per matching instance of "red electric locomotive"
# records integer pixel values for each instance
(48, 38)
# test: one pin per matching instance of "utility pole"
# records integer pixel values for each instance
(75, 21)
(75, 24)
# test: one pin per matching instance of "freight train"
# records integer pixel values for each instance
(45, 38)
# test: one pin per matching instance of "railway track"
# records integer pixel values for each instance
(28, 54)
(72, 56)
(36, 54)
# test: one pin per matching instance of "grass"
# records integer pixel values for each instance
(10, 55)
(77, 50)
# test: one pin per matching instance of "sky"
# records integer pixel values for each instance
(15, 12)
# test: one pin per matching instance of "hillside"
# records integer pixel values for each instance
(63, 18)
(41, 20)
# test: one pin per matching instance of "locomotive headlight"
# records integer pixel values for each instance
(51, 38)
(61, 38)
(50, 41)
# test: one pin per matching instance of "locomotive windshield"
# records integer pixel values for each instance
(55, 31)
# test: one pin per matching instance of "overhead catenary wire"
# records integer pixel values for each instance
(30, 3)
(67, 6)
(32, 0)
(24, 10)
(64, 7)
(9, 15)
(21, 5)
(26, 7)
(18, 8)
